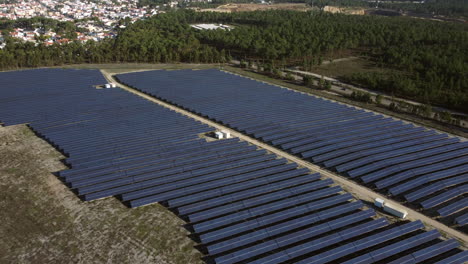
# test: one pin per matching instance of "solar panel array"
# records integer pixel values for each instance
(241, 203)
(420, 165)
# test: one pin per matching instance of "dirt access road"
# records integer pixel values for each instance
(357, 190)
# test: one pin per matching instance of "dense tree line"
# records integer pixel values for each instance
(427, 60)
(66, 29)
(32, 23)
(165, 38)
(152, 3)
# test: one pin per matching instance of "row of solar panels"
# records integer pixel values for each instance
(385, 153)
(241, 203)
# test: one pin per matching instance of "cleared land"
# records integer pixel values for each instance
(44, 222)
(345, 67)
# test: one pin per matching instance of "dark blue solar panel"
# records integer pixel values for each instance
(453, 208)
(433, 188)
(266, 198)
(259, 178)
(405, 151)
(395, 248)
(444, 197)
(245, 193)
(420, 170)
(264, 209)
(364, 243)
(177, 174)
(427, 178)
(421, 157)
(268, 219)
(289, 238)
(462, 219)
(459, 258)
(427, 253)
(323, 242)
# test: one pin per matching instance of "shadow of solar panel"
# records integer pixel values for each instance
(462, 220)
(459, 258)
(454, 207)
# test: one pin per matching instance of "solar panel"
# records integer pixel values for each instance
(323, 242)
(428, 178)
(462, 220)
(264, 209)
(266, 198)
(395, 248)
(286, 214)
(246, 253)
(453, 208)
(273, 230)
(427, 253)
(459, 258)
(435, 187)
(443, 197)
(243, 192)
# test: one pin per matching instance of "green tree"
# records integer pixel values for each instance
(308, 81)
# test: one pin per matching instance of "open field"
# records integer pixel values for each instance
(44, 222)
(346, 67)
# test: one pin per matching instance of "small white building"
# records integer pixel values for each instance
(379, 202)
(211, 26)
(226, 134)
(219, 135)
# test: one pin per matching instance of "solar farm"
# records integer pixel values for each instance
(242, 203)
(396, 158)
